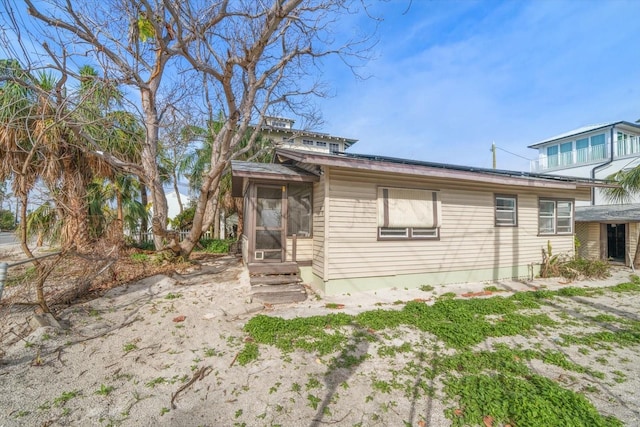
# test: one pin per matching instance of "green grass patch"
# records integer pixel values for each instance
(248, 354)
(498, 383)
(530, 401)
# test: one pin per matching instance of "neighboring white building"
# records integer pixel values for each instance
(595, 151)
(605, 229)
(281, 131)
(173, 205)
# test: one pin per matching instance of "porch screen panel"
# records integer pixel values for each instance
(299, 210)
(269, 209)
(266, 240)
(400, 208)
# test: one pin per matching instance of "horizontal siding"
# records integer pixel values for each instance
(593, 241)
(304, 249)
(468, 240)
(318, 228)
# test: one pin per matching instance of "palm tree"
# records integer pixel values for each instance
(628, 186)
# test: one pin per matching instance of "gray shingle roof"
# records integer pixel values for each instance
(242, 168)
(608, 213)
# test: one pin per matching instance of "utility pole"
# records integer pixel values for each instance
(493, 150)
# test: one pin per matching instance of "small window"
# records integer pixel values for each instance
(307, 142)
(555, 217)
(321, 144)
(408, 233)
(408, 214)
(506, 211)
(334, 148)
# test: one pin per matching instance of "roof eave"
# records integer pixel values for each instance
(419, 170)
(608, 125)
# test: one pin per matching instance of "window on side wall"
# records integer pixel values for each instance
(299, 210)
(408, 214)
(555, 217)
(506, 210)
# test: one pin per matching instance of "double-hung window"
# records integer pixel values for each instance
(555, 216)
(405, 213)
(506, 210)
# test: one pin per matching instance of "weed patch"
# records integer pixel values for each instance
(496, 386)
(530, 401)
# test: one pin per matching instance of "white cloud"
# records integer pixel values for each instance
(450, 82)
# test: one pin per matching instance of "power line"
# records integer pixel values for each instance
(513, 154)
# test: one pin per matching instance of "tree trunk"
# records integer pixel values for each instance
(40, 298)
(120, 213)
(144, 200)
(75, 228)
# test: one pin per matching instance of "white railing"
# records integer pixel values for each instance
(148, 236)
(576, 157)
(628, 146)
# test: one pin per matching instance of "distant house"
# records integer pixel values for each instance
(604, 228)
(281, 131)
(595, 151)
(355, 222)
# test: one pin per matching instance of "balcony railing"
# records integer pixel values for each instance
(576, 157)
(628, 146)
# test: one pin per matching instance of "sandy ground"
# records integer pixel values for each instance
(163, 351)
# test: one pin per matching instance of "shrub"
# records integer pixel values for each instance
(216, 246)
(7, 220)
(584, 268)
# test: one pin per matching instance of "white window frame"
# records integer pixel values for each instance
(307, 142)
(389, 233)
(321, 144)
(562, 223)
(334, 147)
(498, 210)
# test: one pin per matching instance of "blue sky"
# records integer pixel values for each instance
(449, 77)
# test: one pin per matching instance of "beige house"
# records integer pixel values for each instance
(354, 222)
(281, 131)
(608, 232)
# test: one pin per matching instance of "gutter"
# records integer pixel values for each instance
(601, 166)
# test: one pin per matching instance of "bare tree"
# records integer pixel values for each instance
(249, 58)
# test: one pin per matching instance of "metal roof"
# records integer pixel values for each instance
(608, 213)
(581, 130)
(383, 160)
